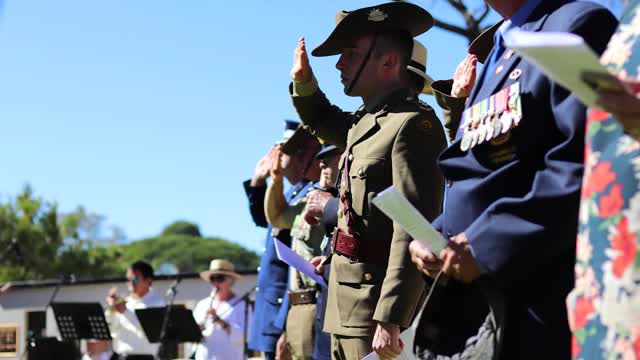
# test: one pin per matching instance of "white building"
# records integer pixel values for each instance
(22, 308)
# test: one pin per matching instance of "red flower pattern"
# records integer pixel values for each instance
(599, 179)
(575, 347)
(624, 243)
(611, 204)
(596, 115)
(583, 310)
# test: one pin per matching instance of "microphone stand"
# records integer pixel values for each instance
(163, 350)
(245, 298)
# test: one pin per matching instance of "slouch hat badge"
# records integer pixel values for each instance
(377, 15)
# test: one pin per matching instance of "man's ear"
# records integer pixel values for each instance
(391, 63)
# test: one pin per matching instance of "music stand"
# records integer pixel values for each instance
(81, 321)
(181, 327)
(47, 348)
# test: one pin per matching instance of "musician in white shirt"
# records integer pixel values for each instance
(126, 331)
(221, 316)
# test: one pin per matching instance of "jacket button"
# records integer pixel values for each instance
(258, 269)
(449, 183)
(350, 157)
(279, 300)
(368, 277)
(257, 289)
(361, 172)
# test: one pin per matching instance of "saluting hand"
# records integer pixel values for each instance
(465, 77)
(276, 166)
(386, 341)
(301, 71)
(263, 168)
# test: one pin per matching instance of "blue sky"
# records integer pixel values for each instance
(150, 111)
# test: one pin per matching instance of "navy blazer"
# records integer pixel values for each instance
(272, 283)
(255, 195)
(517, 201)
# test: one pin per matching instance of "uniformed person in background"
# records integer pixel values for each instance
(272, 273)
(297, 314)
(514, 174)
(392, 139)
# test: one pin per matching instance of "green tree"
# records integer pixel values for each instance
(29, 223)
(51, 244)
(187, 253)
(182, 227)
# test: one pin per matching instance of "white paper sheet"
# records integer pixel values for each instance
(297, 262)
(561, 56)
(401, 211)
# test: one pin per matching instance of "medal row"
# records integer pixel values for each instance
(492, 117)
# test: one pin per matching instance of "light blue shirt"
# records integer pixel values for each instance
(517, 20)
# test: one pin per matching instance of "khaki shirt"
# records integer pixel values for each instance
(396, 142)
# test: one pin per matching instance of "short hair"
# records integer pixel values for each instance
(143, 268)
(401, 42)
(396, 40)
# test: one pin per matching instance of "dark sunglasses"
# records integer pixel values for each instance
(217, 278)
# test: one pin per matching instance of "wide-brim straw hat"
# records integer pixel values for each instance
(220, 267)
(394, 16)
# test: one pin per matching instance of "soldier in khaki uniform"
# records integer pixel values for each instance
(297, 315)
(393, 139)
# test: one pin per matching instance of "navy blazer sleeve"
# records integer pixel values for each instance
(516, 234)
(255, 195)
(330, 216)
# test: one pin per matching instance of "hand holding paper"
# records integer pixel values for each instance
(402, 212)
(297, 262)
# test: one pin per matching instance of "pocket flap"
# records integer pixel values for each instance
(274, 296)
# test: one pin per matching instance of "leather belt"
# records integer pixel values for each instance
(351, 247)
(346, 245)
(302, 297)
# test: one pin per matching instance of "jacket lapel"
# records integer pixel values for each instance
(495, 81)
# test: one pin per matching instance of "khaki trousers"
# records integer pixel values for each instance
(350, 347)
(300, 331)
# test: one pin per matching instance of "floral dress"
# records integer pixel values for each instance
(604, 307)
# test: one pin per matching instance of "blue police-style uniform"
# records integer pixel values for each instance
(516, 197)
(272, 282)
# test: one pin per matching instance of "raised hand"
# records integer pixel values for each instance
(465, 77)
(276, 166)
(263, 168)
(301, 70)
